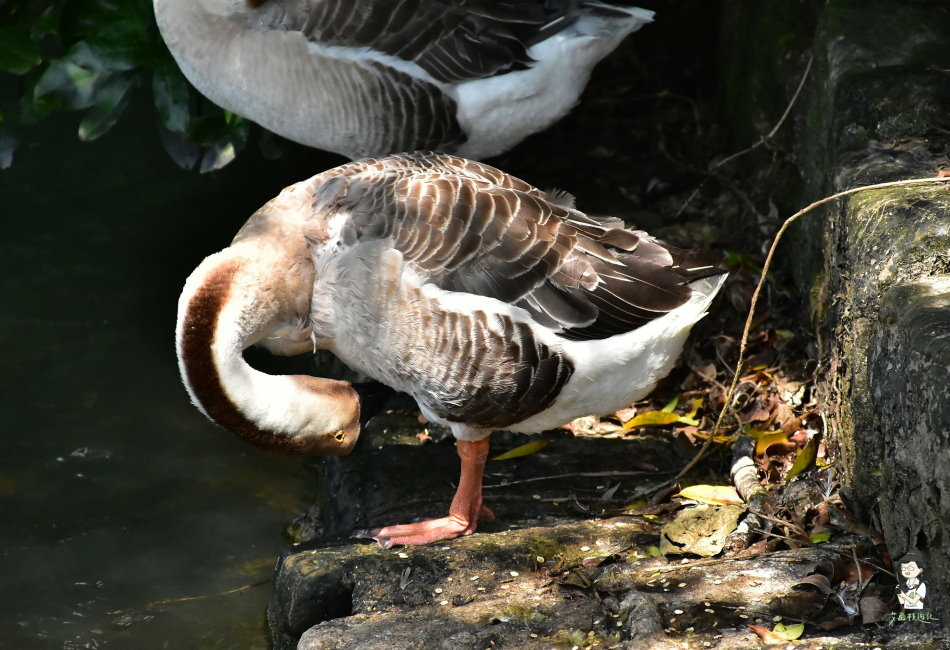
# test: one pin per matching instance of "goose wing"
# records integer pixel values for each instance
(469, 227)
(452, 41)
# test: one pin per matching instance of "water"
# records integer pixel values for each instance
(126, 519)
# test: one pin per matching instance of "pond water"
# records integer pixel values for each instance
(127, 519)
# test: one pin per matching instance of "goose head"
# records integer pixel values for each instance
(257, 291)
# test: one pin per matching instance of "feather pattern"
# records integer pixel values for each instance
(468, 227)
(372, 77)
(492, 303)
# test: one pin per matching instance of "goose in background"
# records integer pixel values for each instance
(494, 304)
(374, 77)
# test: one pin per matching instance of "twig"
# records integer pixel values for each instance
(727, 405)
(182, 599)
(765, 138)
(758, 143)
(575, 475)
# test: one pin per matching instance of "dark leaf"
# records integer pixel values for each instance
(18, 52)
(171, 92)
(47, 23)
(184, 152)
(72, 84)
(218, 155)
(111, 100)
(125, 44)
(8, 144)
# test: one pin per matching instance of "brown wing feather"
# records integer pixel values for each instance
(469, 227)
(450, 40)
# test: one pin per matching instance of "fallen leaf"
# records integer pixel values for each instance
(701, 530)
(804, 460)
(694, 406)
(788, 632)
(766, 635)
(526, 449)
(818, 538)
(712, 494)
(817, 580)
(671, 405)
(765, 439)
(873, 609)
(651, 419)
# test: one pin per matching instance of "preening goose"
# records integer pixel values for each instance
(373, 77)
(494, 304)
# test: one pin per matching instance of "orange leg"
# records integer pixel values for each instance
(464, 512)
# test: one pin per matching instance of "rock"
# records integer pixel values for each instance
(878, 111)
(578, 584)
(486, 590)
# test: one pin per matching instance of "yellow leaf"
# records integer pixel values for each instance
(639, 504)
(671, 405)
(694, 406)
(788, 632)
(712, 494)
(764, 439)
(526, 449)
(818, 538)
(651, 419)
(804, 460)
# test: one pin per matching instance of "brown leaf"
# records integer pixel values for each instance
(834, 624)
(873, 609)
(767, 636)
(817, 580)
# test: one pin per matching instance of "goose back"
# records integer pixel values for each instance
(478, 291)
(371, 77)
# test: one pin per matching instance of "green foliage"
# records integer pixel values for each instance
(93, 57)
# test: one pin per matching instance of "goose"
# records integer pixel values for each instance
(373, 77)
(494, 304)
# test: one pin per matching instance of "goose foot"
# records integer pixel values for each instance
(464, 513)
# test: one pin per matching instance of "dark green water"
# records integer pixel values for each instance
(123, 513)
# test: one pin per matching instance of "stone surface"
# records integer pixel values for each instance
(573, 583)
(877, 264)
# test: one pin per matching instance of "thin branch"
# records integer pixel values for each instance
(758, 143)
(765, 138)
(727, 405)
(182, 599)
(575, 475)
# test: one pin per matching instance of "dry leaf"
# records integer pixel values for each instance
(651, 419)
(873, 609)
(804, 460)
(701, 530)
(526, 449)
(817, 580)
(712, 494)
(766, 635)
(789, 632)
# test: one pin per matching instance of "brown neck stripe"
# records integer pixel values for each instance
(197, 335)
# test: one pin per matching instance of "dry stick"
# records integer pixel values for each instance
(771, 134)
(182, 599)
(758, 143)
(758, 288)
